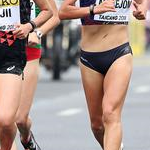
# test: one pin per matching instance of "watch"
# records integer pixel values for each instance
(38, 33)
(91, 9)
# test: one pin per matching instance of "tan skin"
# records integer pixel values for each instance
(105, 95)
(11, 85)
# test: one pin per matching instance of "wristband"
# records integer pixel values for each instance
(39, 34)
(91, 8)
(33, 25)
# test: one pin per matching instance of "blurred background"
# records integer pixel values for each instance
(59, 113)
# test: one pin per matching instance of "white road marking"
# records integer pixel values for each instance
(47, 102)
(62, 110)
(142, 89)
(69, 112)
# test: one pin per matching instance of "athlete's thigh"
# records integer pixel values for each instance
(10, 91)
(93, 87)
(116, 83)
(31, 72)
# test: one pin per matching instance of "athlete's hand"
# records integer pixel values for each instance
(140, 11)
(105, 6)
(22, 30)
(33, 39)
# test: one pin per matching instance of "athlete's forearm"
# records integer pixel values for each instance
(42, 18)
(45, 13)
(68, 11)
(49, 25)
(53, 21)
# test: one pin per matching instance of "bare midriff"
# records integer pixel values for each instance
(97, 38)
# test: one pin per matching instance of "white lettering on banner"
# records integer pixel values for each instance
(121, 14)
(9, 14)
(5, 13)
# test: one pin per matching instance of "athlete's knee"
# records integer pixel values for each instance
(97, 126)
(97, 130)
(110, 116)
(6, 120)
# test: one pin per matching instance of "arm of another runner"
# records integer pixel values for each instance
(68, 9)
(22, 30)
(45, 13)
(53, 21)
(47, 26)
(141, 7)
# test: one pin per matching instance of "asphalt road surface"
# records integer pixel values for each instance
(60, 117)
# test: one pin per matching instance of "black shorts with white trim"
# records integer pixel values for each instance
(13, 58)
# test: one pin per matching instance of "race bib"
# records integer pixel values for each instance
(33, 12)
(9, 14)
(121, 14)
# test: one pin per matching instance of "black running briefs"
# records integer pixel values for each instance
(101, 61)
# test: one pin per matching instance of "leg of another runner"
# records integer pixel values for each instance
(10, 90)
(23, 121)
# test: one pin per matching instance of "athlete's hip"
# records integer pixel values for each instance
(101, 61)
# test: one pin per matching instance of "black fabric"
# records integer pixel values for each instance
(25, 11)
(11, 68)
(13, 55)
(101, 61)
